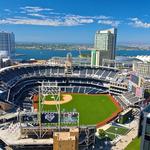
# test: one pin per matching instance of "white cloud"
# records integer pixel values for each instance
(36, 15)
(133, 19)
(66, 20)
(29, 21)
(78, 20)
(89, 17)
(46, 22)
(136, 22)
(7, 10)
(32, 9)
(86, 20)
(30, 15)
(55, 13)
(101, 17)
(113, 23)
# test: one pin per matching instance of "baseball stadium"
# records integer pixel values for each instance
(46, 98)
(83, 88)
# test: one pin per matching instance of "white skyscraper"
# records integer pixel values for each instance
(105, 46)
(7, 44)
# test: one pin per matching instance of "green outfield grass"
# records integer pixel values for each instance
(120, 130)
(111, 137)
(134, 145)
(92, 109)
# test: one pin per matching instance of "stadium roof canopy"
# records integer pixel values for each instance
(124, 59)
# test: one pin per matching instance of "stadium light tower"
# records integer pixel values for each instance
(49, 88)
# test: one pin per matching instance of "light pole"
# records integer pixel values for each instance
(129, 121)
(106, 142)
(116, 129)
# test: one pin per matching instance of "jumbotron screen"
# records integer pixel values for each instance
(49, 117)
(135, 79)
(66, 117)
(69, 117)
(30, 118)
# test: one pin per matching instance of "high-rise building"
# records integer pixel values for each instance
(66, 140)
(104, 45)
(93, 57)
(7, 44)
(144, 128)
(143, 69)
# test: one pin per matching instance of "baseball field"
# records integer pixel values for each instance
(93, 109)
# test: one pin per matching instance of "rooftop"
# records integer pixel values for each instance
(64, 136)
(12, 136)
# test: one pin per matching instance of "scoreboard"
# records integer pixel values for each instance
(29, 118)
(135, 79)
(49, 117)
(65, 117)
(69, 117)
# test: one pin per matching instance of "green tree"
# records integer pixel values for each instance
(101, 133)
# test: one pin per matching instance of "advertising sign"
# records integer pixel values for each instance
(49, 117)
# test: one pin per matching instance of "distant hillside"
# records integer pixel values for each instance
(65, 46)
(122, 47)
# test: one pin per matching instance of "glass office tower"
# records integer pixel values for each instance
(144, 128)
(7, 44)
(105, 45)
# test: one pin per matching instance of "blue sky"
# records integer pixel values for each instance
(75, 20)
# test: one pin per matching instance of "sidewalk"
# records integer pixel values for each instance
(125, 140)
